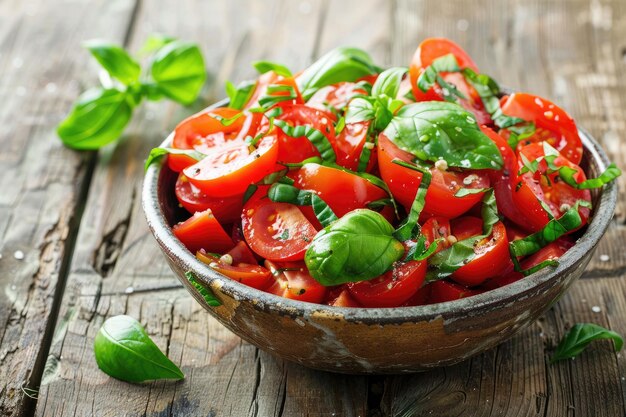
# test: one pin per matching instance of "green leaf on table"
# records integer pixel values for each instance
(115, 60)
(265, 66)
(124, 351)
(388, 82)
(156, 154)
(357, 247)
(340, 64)
(178, 70)
(205, 292)
(98, 118)
(434, 130)
(239, 95)
(580, 336)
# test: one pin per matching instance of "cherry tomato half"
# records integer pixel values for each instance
(225, 209)
(292, 280)
(203, 231)
(253, 275)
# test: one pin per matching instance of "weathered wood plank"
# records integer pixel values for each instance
(42, 182)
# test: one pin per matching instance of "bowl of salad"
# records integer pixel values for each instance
(357, 219)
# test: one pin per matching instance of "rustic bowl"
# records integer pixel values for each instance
(377, 340)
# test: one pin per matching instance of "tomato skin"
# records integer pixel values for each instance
(442, 291)
(335, 97)
(276, 231)
(229, 170)
(341, 190)
(492, 254)
(560, 129)
(271, 78)
(292, 280)
(404, 182)
(225, 209)
(252, 275)
(437, 228)
(349, 146)
(203, 231)
(340, 297)
(391, 289)
(241, 253)
(514, 196)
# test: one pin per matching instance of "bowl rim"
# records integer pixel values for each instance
(261, 300)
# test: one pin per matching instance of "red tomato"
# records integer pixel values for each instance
(229, 170)
(433, 48)
(254, 276)
(340, 297)
(298, 149)
(341, 190)
(553, 124)
(492, 252)
(420, 298)
(437, 228)
(271, 78)
(292, 280)
(514, 196)
(349, 146)
(225, 209)
(203, 231)
(440, 200)
(179, 162)
(276, 231)
(241, 253)
(393, 288)
(549, 188)
(335, 97)
(442, 291)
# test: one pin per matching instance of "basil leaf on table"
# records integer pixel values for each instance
(239, 95)
(284, 193)
(580, 336)
(434, 130)
(124, 351)
(388, 82)
(98, 118)
(115, 60)
(265, 66)
(357, 247)
(340, 64)
(157, 153)
(178, 70)
(154, 42)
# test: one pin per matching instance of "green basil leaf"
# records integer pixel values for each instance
(240, 95)
(357, 247)
(124, 351)
(115, 60)
(156, 154)
(520, 132)
(540, 266)
(360, 109)
(205, 292)
(419, 251)
(265, 66)
(567, 175)
(580, 336)
(441, 130)
(317, 138)
(469, 191)
(178, 70)
(340, 64)
(366, 154)
(98, 117)
(430, 76)
(341, 124)
(155, 42)
(388, 82)
(409, 228)
(271, 98)
(284, 193)
(249, 192)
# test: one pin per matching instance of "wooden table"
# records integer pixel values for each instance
(88, 255)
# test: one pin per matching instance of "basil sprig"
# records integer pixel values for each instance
(124, 351)
(156, 154)
(340, 64)
(434, 130)
(100, 115)
(357, 247)
(580, 336)
(444, 263)
(317, 138)
(285, 193)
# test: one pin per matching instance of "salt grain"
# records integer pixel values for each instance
(596, 309)
(604, 258)
(129, 290)
(19, 255)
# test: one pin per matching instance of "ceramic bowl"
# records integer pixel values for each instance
(377, 340)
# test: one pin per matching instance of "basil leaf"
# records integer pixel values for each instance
(115, 60)
(205, 292)
(178, 69)
(419, 251)
(434, 130)
(340, 64)
(271, 98)
(469, 191)
(124, 351)
(98, 117)
(341, 124)
(428, 78)
(240, 95)
(317, 138)
(366, 154)
(360, 109)
(155, 42)
(567, 175)
(284, 193)
(580, 336)
(357, 247)
(388, 82)
(265, 66)
(520, 132)
(409, 228)
(157, 153)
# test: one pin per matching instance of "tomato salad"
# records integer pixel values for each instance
(351, 185)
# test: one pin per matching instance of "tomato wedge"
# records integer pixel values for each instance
(292, 280)
(271, 78)
(203, 231)
(350, 144)
(436, 228)
(340, 297)
(241, 253)
(442, 291)
(553, 124)
(335, 97)
(252, 275)
(276, 231)
(404, 182)
(229, 170)
(225, 209)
